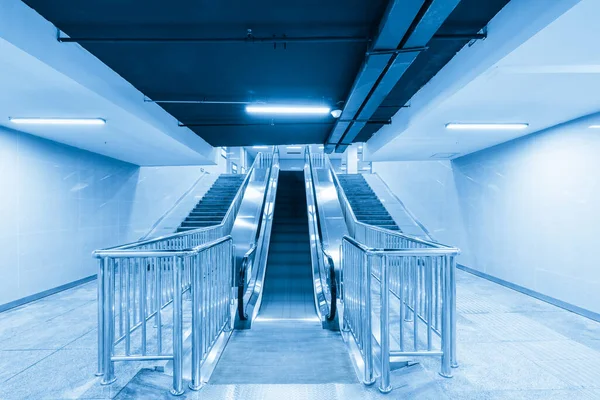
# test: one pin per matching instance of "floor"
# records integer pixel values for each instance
(510, 346)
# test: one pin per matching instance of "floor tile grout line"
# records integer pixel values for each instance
(42, 359)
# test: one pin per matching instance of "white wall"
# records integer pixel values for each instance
(58, 204)
(526, 211)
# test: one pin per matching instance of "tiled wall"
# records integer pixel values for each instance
(58, 204)
(526, 211)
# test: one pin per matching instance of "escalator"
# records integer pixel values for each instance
(287, 343)
(288, 292)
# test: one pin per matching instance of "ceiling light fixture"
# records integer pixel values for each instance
(486, 127)
(594, 126)
(58, 121)
(302, 110)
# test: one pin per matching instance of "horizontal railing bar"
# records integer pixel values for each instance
(421, 252)
(145, 253)
(142, 358)
(396, 353)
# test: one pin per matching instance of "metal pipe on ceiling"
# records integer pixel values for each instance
(225, 102)
(407, 24)
(271, 40)
(460, 36)
(226, 124)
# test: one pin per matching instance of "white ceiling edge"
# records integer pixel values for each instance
(515, 24)
(24, 28)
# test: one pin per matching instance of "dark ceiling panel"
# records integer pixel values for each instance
(319, 73)
(470, 16)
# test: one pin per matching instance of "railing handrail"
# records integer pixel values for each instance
(238, 194)
(446, 250)
(346, 205)
(126, 253)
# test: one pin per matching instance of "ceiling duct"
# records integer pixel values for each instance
(405, 30)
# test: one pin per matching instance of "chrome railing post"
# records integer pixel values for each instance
(177, 328)
(196, 383)
(453, 360)
(108, 322)
(384, 384)
(368, 331)
(446, 370)
(100, 299)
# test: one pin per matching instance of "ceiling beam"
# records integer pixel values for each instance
(405, 30)
(250, 39)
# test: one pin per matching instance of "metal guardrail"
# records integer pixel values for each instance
(137, 285)
(422, 283)
(138, 280)
(420, 276)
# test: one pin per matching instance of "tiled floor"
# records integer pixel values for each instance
(510, 346)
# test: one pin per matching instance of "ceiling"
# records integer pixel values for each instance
(184, 50)
(40, 77)
(27, 87)
(549, 78)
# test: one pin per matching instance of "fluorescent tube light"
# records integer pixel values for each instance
(594, 126)
(260, 147)
(58, 121)
(486, 127)
(305, 110)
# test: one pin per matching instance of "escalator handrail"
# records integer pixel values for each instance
(241, 313)
(253, 246)
(321, 247)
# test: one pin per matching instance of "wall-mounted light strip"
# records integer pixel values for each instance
(301, 110)
(486, 127)
(58, 121)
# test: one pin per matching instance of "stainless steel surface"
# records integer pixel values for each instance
(252, 293)
(323, 269)
(421, 280)
(137, 285)
(286, 343)
(247, 223)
